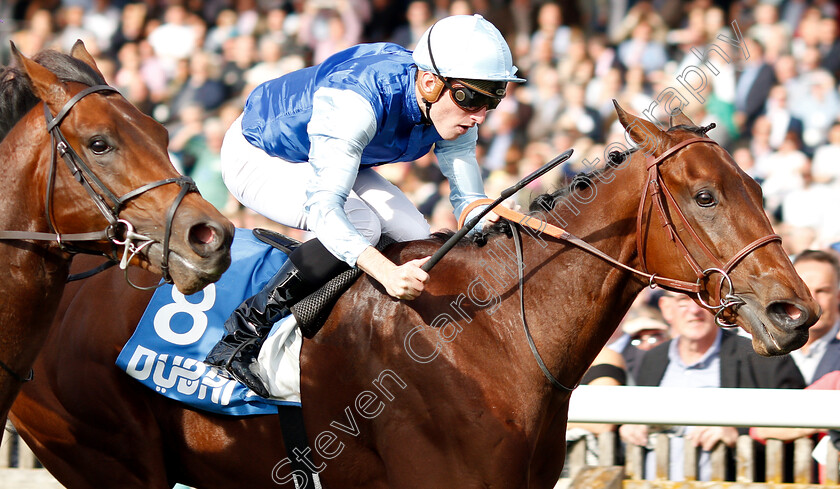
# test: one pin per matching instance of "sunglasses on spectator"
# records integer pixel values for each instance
(469, 98)
(650, 339)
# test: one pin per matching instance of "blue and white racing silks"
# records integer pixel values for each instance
(176, 332)
(355, 110)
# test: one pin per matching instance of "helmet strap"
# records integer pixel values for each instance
(427, 116)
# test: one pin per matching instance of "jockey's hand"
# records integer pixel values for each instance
(406, 281)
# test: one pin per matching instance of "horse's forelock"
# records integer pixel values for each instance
(16, 95)
(67, 68)
(700, 131)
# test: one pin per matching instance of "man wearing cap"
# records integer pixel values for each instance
(303, 151)
(643, 333)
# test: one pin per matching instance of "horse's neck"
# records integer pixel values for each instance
(35, 270)
(575, 300)
(24, 177)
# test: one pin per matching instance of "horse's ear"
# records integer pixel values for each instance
(80, 52)
(644, 133)
(680, 119)
(45, 84)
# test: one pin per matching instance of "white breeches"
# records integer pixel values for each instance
(276, 188)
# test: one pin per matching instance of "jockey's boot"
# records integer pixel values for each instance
(250, 323)
(309, 266)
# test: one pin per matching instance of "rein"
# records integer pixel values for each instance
(656, 189)
(120, 232)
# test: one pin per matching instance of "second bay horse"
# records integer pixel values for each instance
(443, 391)
(84, 171)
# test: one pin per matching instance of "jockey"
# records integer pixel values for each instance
(303, 151)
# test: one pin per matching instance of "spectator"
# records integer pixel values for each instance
(642, 50)
(329, 26)
(829, 46)
(238, 56)
(131, 27)
(781, 119)
(202, 87)
(753, 86)
(103, 21)
(419, 17)
(72, 29)
(551, 29)
(702, 355)
(644, 332)
(821, 354)
(826, 162)
(783, 171)
(175, 39)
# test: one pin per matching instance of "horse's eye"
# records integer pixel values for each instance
(99, 146)
(704, 198)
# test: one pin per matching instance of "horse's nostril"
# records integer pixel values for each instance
(202, 234)
(792, 311)
(787, 313)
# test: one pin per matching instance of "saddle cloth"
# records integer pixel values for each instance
(167, 349)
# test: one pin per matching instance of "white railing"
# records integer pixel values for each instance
(19, 469)
(782, 408)
(706, 407)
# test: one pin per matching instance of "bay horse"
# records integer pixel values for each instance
(443, 391)
(116, 194)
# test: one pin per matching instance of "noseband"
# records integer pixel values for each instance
(120, 232)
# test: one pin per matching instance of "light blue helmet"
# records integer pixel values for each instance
(466, 47)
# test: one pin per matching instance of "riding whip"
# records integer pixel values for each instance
(504, 195)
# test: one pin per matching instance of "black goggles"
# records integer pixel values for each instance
(472, 99)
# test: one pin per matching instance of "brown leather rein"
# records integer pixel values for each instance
(656, 190)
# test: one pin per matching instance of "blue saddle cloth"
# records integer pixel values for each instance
(176, 332)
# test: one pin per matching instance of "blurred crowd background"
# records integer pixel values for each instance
(764, 71)
(774, 95)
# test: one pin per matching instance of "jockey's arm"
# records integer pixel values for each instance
(458, 164)
(342, 125)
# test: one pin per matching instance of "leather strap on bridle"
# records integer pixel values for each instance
(517, 241)
(118, 231)
(656, 188)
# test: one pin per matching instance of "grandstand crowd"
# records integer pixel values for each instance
(764, 71)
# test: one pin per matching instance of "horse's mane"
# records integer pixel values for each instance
(549, 200)
(16, 95)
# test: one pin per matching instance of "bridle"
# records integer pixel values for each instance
(119, 231)
(657, 189)
(659, 194)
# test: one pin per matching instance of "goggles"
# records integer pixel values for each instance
(471, 98)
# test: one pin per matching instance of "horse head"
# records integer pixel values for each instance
(154, 217)
(740, 269)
